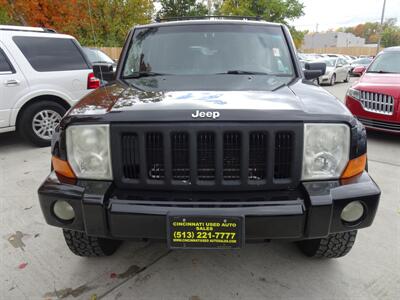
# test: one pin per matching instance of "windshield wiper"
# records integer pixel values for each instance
(242, 72)
(382, 72)
(102, 61)
(142, 74)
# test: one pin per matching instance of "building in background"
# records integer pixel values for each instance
(332, 39)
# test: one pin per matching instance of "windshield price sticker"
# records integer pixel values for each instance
(205, 232)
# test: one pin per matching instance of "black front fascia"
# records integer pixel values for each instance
(311, 211)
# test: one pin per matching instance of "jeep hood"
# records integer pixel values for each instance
(119, 102)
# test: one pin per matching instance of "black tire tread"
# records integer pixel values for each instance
(334, 246)
(88, 246)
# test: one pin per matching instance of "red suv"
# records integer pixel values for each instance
(375, 98)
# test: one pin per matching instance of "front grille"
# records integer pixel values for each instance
(377, 103)
(192, 157)
(380, 124)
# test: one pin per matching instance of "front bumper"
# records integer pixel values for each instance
(312, 211)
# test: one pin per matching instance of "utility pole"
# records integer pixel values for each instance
(209, 7)
(380, 27)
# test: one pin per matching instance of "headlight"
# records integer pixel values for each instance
(353, 93)
(326, 150)
(88, 151)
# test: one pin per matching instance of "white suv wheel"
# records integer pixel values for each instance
(44, 123)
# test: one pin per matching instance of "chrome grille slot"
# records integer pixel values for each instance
(257, 156)
(377, 103)
(232, 145)
(206, 156)
(155, 155)
(180, 156)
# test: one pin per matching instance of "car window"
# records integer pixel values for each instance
(5, 65)
(386, 63)
(208, 50)
(51, 54)
(97, 56)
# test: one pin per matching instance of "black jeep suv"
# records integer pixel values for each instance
(210, 135)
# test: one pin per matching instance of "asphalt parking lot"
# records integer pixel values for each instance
(36, 264)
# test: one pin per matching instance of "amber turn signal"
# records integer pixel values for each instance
(62, 167)
(355, 166)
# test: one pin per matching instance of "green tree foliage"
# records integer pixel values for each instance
(93, 22)
(298, 36)
(370, 31)
(4, 17)
(112, 19)
(391, 36)
(182, 8)
(280, 11)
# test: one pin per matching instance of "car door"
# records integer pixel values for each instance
(13, 86)
(341, 69)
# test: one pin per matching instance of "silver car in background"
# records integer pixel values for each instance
(337, 70)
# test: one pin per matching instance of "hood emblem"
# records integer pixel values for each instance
(205, 114)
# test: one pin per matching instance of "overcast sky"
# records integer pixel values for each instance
(331, 14)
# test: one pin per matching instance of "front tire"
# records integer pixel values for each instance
(334, 246)
(39, 120)
(333, 80)
(347, 77)
(88, 246)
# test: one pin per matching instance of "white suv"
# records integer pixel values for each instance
(42, 74)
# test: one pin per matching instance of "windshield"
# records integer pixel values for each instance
(95, 55)
(330, 62)
(209, 49)
(386, 63)
(362, 61)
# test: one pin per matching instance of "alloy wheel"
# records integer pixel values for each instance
(45, 122)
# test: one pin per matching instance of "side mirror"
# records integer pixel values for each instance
(104, 71)
(339, 66)
(314, 70)
(359, 70)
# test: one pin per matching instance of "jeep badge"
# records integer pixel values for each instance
(206, 114)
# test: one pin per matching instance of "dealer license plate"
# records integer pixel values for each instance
(193, 232)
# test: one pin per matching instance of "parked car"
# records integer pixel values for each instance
(96, 56)
(337, 69)
(360, 62)
(348, 58)
(375, 98)
(43, 74)
(210, 136)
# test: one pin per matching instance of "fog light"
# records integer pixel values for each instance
(352, 212)
(63, 210)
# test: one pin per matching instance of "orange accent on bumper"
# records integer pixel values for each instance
(62, 167)
(355, 166)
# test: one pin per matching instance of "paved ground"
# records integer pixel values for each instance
(36, 264)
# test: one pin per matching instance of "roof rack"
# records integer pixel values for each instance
(253, 18)
(27, 29)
